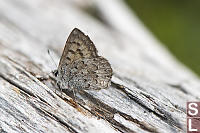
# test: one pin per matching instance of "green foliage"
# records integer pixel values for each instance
(176, 23)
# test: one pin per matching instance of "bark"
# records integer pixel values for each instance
(149, 87)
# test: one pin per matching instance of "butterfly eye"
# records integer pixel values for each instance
(55, 73)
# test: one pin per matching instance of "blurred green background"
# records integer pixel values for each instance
(176, 23)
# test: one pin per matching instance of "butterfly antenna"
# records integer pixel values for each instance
(51, 57)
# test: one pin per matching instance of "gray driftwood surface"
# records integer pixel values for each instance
(149, 87)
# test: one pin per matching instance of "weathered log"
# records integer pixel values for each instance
(149, 87)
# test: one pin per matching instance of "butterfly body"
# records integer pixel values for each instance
(80, 67)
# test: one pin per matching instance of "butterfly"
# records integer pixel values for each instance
(80, 67)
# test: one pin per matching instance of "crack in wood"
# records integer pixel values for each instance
(47, 113)
(101, 110)
(143, 125)
(163, 115)
(12, 82)
(64, 123)
(15, 113)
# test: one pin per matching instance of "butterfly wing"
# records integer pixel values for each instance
(99, 73)
(80, 66)
(78, 46)
(93, 73)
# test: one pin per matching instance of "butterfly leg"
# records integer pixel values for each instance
(74, 93)
(60, 88)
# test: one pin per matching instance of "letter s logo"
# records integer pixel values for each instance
(193, 107)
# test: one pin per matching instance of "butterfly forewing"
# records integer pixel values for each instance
(78, 46)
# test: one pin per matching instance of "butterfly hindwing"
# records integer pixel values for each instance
(93, 73)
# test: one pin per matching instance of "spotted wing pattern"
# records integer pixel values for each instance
(80, 66)
(93, 73)
(78, 46)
